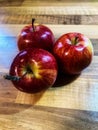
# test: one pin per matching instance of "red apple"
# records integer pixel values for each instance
(33, 70)
(39, 36)
(74, 52)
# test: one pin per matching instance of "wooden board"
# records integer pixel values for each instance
(72, 104)
(85, 15)
(69, 92)
(26, 117)
(44, 2)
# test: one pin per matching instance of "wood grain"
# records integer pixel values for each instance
(12, 30)
(86, 15)
(26, 117)
(72, 103)
(57, 12)
(44, 2)
(68, 92)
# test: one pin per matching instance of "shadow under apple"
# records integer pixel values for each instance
(23, 102)
(64, 79)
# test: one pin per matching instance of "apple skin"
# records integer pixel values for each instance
(39, 36)
(37, 69)
(74, 52)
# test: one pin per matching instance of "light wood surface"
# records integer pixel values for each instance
(55, 12)
(26, 117)
(79, 93)
(72, 103)
(86, 15)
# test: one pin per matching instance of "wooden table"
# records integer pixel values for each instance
(72, 104)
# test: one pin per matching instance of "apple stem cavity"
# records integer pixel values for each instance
(33, 20)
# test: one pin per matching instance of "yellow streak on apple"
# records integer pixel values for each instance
(35, 67)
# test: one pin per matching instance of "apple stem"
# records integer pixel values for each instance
(14, 78)
(74, 41)
(33, 20)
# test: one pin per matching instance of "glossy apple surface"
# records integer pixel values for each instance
(39, 36)
(36, 70)
(74, 52)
